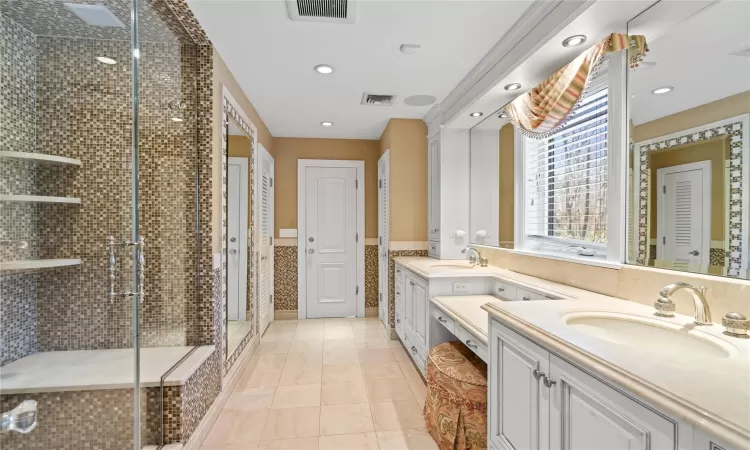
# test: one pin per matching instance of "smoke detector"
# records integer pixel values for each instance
(95, 15)
(330, 11)
(377, 99)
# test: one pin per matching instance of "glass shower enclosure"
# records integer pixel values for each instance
(97, 220)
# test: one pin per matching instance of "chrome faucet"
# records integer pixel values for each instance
(473, 259)
(21, 419)
(665, 306)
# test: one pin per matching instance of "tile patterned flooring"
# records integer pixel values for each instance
(325, 384)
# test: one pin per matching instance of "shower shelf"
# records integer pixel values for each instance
(39, 199)
(37, 264)
(40, 158)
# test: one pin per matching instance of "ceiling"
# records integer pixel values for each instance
(273, 58)
(699, 65)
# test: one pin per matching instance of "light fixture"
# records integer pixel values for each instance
(409, 49)
(503, 116)
(325, 69)
(326, 124)
(176, 119)
(513, 87)
(662, 90)
(476, 114)
(105, 60)
(574, 41)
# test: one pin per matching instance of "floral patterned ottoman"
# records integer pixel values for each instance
(456, 407)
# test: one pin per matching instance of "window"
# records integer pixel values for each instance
(565, 192)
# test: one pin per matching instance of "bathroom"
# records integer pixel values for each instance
(186, 264)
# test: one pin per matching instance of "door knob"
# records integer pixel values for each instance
(311, 251)
(695, 253)
(233, 240)
(311, 239)
(233, 251)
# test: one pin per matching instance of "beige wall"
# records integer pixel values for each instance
(224, 78)
(717, 152)
(507, 184)
(407, 141)
(287, 151)
(725, 108)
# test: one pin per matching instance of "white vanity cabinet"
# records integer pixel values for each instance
(540, 401)
(415, 306)
(448, 193)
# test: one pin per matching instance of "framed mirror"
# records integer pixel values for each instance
(239, 305)
(491, 191)
(689, 118)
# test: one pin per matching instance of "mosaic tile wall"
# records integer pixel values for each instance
(736, 129)
(198, 393)
(285, 277)
(18, 312)
(85, 420)
(391, 280)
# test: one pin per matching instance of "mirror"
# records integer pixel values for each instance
(688, 164)
(491, 192)
(239, 306)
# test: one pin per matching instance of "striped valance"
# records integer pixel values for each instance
(545, 108)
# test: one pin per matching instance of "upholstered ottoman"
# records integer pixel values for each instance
(456, 407)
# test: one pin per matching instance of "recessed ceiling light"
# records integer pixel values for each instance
(513, 87)
(662, 90)
(574, 41)
(503, 116)
(420, 100)
(176, 119)
(105, 60)
(324, 69)
(326, 124)
(476, 114)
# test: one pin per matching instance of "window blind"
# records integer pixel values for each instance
(566, 174)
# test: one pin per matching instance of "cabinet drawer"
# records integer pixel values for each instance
(433, 249)
(473, 343)
(398, 292)
(504, 290)
(399, 274)
(399, 325)
(444, 320)
(524, 295)
(418, 354)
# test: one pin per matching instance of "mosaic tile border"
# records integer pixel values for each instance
(737, 129)
(231, 109)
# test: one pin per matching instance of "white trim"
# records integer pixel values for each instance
(396, 246)
(571, 259)
(244, 189)
(704, 166)
(384, 234)
(285, 242)
(260, 153)
(303, 164)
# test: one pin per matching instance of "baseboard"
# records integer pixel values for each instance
(227, 386)
(392, 334)
(291, 314)
(372, 312)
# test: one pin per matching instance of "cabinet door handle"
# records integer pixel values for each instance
(441, 320)
(412, 283)
(537, 374)
(398, 320)
(526, 299)
(500, 289)
(470, 344)
(549, 382)
(413, 349)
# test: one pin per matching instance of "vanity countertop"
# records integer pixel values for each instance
(711, 393)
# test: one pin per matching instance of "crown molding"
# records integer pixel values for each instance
(543, 20)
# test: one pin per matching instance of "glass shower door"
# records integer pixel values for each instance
(70, 249)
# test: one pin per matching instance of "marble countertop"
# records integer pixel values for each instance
(711, 393)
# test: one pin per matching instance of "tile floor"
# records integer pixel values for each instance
(325, 384)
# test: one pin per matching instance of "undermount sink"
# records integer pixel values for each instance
(452, 266)
(649, 334)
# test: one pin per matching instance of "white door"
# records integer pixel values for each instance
(266, 230)
(383, 270)
(330, 238)
(237, 239)
(684, 215)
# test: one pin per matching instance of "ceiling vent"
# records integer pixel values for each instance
(330, 11)
(377, 99)
(95, 15)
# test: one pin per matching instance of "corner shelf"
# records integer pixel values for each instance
(38, 264)
(39, 199)
(40, 158)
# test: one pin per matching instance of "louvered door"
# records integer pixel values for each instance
(683, 219)
(383, 239)
(266, 228)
